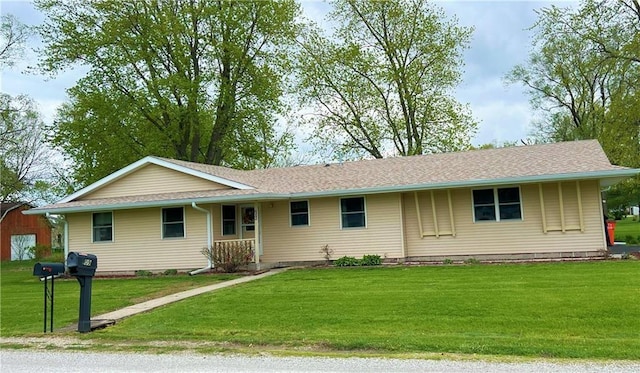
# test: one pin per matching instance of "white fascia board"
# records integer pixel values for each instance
(595, 175)
(616, 175)
(147, 204)
(143, 162)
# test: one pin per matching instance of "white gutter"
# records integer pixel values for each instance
(608, 174)
(209, 239)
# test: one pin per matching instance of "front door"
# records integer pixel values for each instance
(247, 222)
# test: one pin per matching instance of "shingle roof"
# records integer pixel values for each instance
(559, 161)
(489, 164)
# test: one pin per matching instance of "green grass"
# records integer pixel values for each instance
(627, 227)
(566, 310)
(21, 296)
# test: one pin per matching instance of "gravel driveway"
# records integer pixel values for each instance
(63, 361)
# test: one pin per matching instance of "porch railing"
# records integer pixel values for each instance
(234, 246)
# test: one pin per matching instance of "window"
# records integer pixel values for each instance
(229, 220)
(102, 226)
(299, 213)
(172, 222)
(508, 207)
(352, 212)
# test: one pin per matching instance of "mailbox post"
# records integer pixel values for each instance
(83, 267)
(46, 272)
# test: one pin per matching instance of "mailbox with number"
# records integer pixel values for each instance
(81, 264)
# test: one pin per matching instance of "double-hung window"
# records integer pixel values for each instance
(352, 212)
(102, 223)
(228, 220)
(172, 222)
(497, 204)
(299, 213)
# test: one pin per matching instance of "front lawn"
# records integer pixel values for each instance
(569, 310)
(627, 227)
(21, 296)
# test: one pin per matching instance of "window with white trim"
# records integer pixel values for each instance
(102, 226)
(299, 213)
(228, 220)
(496, 204)
(172, 222)
(352, 212)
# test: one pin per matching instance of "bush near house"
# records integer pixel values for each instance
(229, 258)
(350, 261)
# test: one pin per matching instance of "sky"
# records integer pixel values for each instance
(501, 40)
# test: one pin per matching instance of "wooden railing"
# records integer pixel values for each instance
(247, 246)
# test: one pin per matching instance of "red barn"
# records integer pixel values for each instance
(18, 232)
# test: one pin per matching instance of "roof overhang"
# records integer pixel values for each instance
(606, 178)
(154, 203)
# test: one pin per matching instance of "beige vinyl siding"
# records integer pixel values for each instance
(137, 242)
(513, 236)
(153, 179)
(382, 235)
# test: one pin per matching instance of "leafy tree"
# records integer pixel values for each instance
(583, 77)
(193, 80)
(381, 84)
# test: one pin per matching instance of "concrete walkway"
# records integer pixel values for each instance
(111, 318)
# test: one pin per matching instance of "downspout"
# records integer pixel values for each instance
(209, 239)
(66, 239)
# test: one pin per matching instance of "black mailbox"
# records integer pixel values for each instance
(47, 273)
(81, 264)
(83, 267)
(48, 269)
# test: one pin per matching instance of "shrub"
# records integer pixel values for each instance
(447, 261)
(371, 260)
(170, 272)
(326, 252)
(40, 252)
(143, 273)
(472, 261)
(346, 261)
(229, 257)
(617, 213)
(57, 257)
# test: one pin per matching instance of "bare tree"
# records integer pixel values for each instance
(14, 36)
(25, 163)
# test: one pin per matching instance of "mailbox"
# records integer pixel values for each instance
(47, 273)
(83, 267)
(81, 264)
(48, 269)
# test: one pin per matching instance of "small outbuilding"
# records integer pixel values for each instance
(20, 232)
